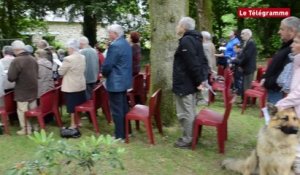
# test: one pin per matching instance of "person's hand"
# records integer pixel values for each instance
(201, 86)
(219, 55)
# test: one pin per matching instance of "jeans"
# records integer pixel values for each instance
(119, 108)
(274, 96)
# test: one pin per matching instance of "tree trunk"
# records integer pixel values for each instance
(204, 20)
(164, 16)
(89, 26)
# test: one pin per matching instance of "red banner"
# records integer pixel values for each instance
(264, 12)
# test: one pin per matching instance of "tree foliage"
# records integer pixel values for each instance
(264, 29)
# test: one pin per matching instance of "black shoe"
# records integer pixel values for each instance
(70, 132)
(183, 145)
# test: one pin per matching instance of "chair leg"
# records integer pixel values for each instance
(225, 131)
(57, 117)
(94, 120)
(149, 131)
(158, 123)
(126, 130)
(211, 98)
(199, 132)
(195, 136)
(221, 140)
(4, 119)
(244, 103)
(76, 118)
(261, 105)
(41, 122)
(106, 111)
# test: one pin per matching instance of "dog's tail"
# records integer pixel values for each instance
(245, 166)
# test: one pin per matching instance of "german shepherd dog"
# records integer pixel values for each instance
(276, 147)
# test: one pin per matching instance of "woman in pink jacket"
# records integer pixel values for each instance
(293, 98)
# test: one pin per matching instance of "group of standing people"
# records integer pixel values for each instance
(195, 59)
(191, 67)
(33, 73)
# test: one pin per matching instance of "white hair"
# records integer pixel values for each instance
(291, 22)
(248, 31)
(18, 44)
(73, 43)
(187, 23)
(43, 44)
(206, 35)
(116, 28)
(29, 48)
(84, 40)
(7, 50)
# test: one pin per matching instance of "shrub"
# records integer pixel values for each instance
(60, 157)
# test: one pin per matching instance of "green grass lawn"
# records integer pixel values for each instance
(162, 158)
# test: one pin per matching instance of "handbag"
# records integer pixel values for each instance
(70, 132)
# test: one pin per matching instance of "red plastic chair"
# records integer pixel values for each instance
(257, 92)
(47, 104)
(207, 117)
(8, 109)
(220, 70)
(91, 106)
(58, 100)
(144, 113)
(138, 92)
(105, 104)
(219, 85)
(259, 74)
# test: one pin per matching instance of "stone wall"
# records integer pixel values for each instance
(63, 31)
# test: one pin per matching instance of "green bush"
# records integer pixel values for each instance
(60, 157)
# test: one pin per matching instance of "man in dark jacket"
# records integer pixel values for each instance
(247, 59)
(190, 71)
(287, 31)
(24, 71)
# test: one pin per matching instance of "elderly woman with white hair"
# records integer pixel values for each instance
(209, 50)
(73, 83)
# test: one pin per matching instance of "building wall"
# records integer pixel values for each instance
(63, 31)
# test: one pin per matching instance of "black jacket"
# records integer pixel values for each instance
(279, 60)
(190, 67)
(248, 58)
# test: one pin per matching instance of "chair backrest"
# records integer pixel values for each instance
(96, 96)
(227, 94)
(228, 79)
(139, 88)
(147, 83)
(47, 101)
(9, 103)
(154, 103)
(138, 83)
(147, 69)
(220, 70)
(57, 98)
(259, 73)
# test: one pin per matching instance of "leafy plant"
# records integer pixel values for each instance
(53, 156)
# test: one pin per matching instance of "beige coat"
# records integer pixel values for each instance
(72, 70)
